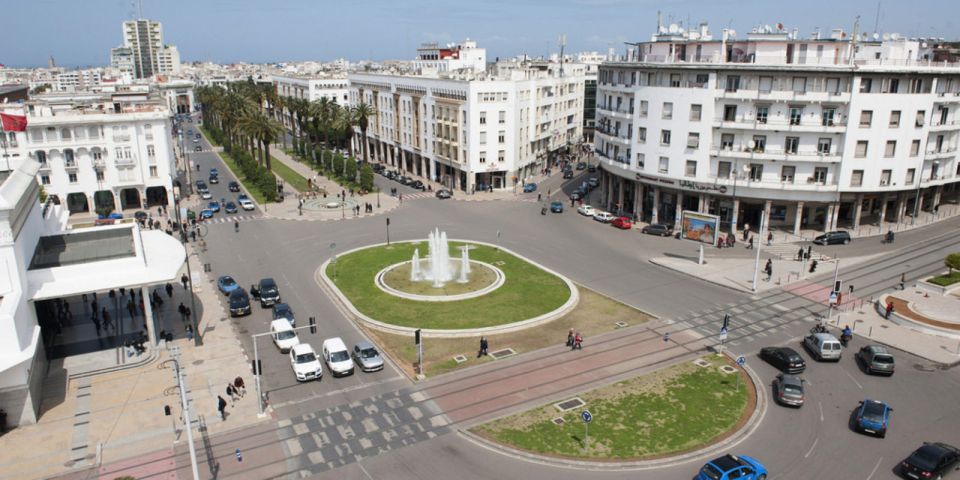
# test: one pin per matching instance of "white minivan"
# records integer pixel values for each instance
(284, 336)
(823, 346)
(337, 357)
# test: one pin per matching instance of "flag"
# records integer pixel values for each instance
(13, 123)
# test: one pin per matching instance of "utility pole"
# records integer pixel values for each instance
(563, 43)
(757, 245)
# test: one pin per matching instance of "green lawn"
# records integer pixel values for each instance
(292, 178)
(945, 280)
(527, 292)
(232, 165)
(677, 409)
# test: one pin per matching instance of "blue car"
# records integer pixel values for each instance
(215, 206)
(732, 466)
(556, 207)
(206, 213)
(283, 310)
(873, 417)
(530, 187)
(214, 172)
(230, 207)
(227, 284)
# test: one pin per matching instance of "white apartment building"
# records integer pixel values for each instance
(472, 131)
(144, 52)
(98, 151)
(312, 88)
(431, 57)
(819, 133)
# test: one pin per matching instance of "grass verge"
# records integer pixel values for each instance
(677, 409)
(593, 315)
(289, 176)
(945, 280)
(235, 169)
(527, 292)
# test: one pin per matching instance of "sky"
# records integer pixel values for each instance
(81, 32)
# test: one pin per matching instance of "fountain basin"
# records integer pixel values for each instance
(484, 278)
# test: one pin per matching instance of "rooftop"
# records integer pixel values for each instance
(90, 246)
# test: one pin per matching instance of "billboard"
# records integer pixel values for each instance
(700, 227)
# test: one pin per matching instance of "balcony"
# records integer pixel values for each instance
(99, 164)
(125, 162)
(45, 166)
(121, 137)
(71, 164)
(946, 152)
(611, 136)
(797, 184)
(940, 127)
(775, 154)
(751, 123)
(622, 112)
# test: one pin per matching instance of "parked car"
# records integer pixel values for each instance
(266, 291)
(786, 359)
(418, 185)
(622, 223)
(444, 193)
(283, 310)
(206, 213)
(205, 194)
(201, 185)
(215, 206)
(833, 238)
(603, 217)
(227, 284)
(593, 182)
(198, 148)
(246, 203)
(575, 196)
(233, 187)
(568, 174)
(581, 165)
(823, 346)
(729, 467)
(337, 357)
(556, 207)
(367, 357)
(283, 335)
(530, 187)
(592, 168)
(876, 359)
(230, 207)
(932, 460)
(586, 210)
(239, 303)
(788, 390)
(306, 365)
(873, 417)
(657, 229)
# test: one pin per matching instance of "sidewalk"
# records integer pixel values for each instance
(103, 418)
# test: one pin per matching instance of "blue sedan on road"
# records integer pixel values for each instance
(230, 207)
(227, 284)
(214, 206)
(206, 213)
(873, 417)
(732, 466)
(530, 187)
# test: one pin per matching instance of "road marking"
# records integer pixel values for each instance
(815, 440)
(367, 474)
(342, 390)
(853, 379)
(820, 406)
(875, 467)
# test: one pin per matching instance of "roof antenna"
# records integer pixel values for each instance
(563, 43)
(876, 23)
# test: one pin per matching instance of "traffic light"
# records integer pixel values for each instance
(257, 367)
(417, 337)
(837, 285)
(313, 325)
(166, 410)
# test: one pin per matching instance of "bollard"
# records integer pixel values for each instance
(871, 332)
(239, 456)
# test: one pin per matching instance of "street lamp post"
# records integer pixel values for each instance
(378, 197)
(388, 231)
(756, 265)
(194, 320)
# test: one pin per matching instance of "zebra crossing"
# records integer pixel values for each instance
(414, 196)
(230, 218)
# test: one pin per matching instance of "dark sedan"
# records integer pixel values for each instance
(786, 359)
(239, 303)
(556, 207)
(444, 193)
(833, 238)
(233, 186)
(230, 207)
(932, 460)
(657, 229)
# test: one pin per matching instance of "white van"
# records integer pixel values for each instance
(284, 336)
(823, 346)
(337, 356)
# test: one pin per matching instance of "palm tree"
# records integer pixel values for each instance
(361, 116)
(264, 129)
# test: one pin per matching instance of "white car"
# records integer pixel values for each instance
(247, 204)
(586, 210)
(283, 334)
(206, 195)
(306, 365)
(603, 217)
(337, 356)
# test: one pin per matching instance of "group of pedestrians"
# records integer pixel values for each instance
(235, 391)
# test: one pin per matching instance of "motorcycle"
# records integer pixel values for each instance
(845, 338)
(543, 211)
(818, 328)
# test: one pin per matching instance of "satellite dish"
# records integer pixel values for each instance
(751, 144)
(876, 36)
(894, 36)
(886, 36)
(673, 28)
(923, 45)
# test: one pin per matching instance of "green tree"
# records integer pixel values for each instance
(350, 169)
(337, 164)
(361, 118)
(366, 177)
(952, 262)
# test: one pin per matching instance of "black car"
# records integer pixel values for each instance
(266, 291)
(283, 310)
(786, 359)
(581, 165)
(658, 229)
(932, 460)
(214, 179)
(592, 168)
(568, 174)
(198, 148)
(833, 238)
(418, 185)
(230, 207)
(444, 193)
(239, 303)
(201, 185)
(233, 186)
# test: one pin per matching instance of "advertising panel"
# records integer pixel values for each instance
(700, 227)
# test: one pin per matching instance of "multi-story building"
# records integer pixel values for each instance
(815, 132)
(335, 88)
(453, 57)
(143, 52)
(98, 152)
(472, 130)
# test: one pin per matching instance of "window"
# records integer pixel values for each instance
(920, 115)
(691, 170)
(674, 80)
(667, 110)
(911, 174)
(726, 141)
(45, 179)
(799, 84)
(891, 148)
(866, 84)
(640, 160)
(665, 137)
(99, 175)
(861, 150)
(733, 83)
(759, 143)
(885, 177)
(791, 145)
(642, 135)
(644, 107)
(823, 145)
(766, 84)
(72, 177)
(153, 171)
(866, 118)
(795, 114)
(502, 117)
(828, 115)
(893, 86)
(723, 170)
(787, 174)
(856, 178)
(915, 148)
(483, 118)
(762, 113)
(41, 156)
(664, 165)
(483, 157)
(501, 155)
(895, 119)
(695, 112)
(151, 152)
(756, 172)
(820, 175)
(916, 85)
(68, 157)
(483, 138)
(502, 136)
(93, 133)
(36, 135)
(65, 134)
(693, 140)
(729, 113)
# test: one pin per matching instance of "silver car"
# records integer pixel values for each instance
(788, 390)
(367, 357)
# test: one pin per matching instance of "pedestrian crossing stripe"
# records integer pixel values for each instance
(232, 218)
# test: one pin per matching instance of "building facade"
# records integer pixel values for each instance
(313, 88)
(472, 131)
(817, 133)
(143, 52)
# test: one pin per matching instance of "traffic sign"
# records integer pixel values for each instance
(726, 322)
(741, 360)
(586, 416)
(833, 298)
(723, 334)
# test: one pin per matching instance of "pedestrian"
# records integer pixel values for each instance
(800, 255)
(577, 342)
(401, 199)
(107, 322)
(186, 314)
(169, 289)
(746, 231)
(889, 310)
(903, 281)
(769, 238)
(84, 297)
(96, 324)
(239, 386)
(538, 197)
(768, 269)
(132, 309)
(570, 338)
(809, 252)
(483, 347)
(750, 243)
(193, 235)
(851, 289)
(232, 393)
(222, 407)
(183, 280)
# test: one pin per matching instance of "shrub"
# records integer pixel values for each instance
(366, 177)
(350, 172)
(952, 262)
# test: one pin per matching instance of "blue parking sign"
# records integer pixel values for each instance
(586, 416)
(741, 360)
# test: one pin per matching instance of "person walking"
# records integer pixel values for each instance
(809, 252)
(903, 281)
(169, 289)
(182, 310)
(222, 407)
(183, 280)
(232, 393)
(570, 338)
(577, 342)
(768, 269)
(750, 243)
(132, 309)
(769, 238)
(483, 347)
(888, 310)
(239, 386)
(800, 255)
(107, 322)
(746, 232)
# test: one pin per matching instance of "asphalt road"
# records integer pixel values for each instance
(812, 442)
